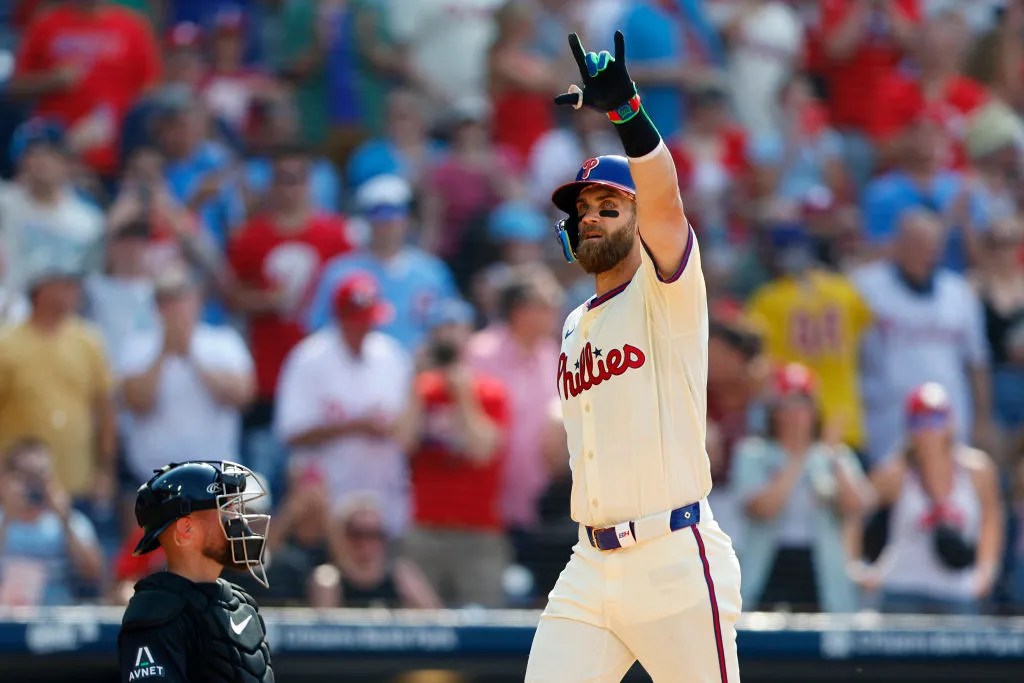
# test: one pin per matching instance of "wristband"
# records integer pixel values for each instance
(638, 135)
(627, 111)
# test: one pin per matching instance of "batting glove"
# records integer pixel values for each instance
(607, 86)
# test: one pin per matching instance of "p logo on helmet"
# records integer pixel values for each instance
(588, 166)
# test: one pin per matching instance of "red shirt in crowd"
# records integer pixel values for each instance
(448, 490)
(119, 58)
(905, 103)
(263, 257)
(853, 84)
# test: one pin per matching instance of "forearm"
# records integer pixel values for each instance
(854, 496)
(84, 557)
(841, 44)
(316, 436)
(981, 387)
(233, 389)
(32, 85)
(253, 301)
(903, 30)
(409, 427)
(990, 547)
(106, 423)
(480, 435)
(770, 500)
(139, 391)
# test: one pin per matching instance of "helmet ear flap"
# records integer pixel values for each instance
(568, 233)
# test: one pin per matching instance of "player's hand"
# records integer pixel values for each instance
(607, 86)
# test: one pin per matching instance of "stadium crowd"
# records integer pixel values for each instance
(314, 236)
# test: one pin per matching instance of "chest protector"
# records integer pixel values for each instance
(231, 638)
(226, 634)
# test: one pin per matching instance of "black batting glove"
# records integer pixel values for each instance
(607, 86)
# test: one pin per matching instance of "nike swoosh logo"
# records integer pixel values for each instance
(569, 332)
(238, 628)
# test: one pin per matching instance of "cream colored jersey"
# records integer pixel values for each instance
(633, 381)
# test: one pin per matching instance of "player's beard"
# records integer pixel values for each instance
(219, 550)
(603, 254)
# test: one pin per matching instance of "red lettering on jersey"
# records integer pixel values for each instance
(590, 372)
(588, 166)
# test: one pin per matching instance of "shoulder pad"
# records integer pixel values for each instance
(150, 608)
(242, 594)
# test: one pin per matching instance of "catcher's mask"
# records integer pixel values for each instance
(179, 489)
(609, 170)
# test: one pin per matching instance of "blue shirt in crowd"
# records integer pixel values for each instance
(412, 283)
(888, 196)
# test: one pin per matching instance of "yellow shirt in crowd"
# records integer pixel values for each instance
(818, 320)
(49, 387)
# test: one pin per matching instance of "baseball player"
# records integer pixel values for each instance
(187, 625)
(653, 578)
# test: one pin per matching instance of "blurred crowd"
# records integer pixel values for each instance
(314, 237)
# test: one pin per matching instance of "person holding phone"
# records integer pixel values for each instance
(454, 431)
(45, 544)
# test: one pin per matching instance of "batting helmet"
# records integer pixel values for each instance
(179, 489)
(609, 170)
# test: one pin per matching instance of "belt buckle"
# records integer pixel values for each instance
(624, 534)
(592, 534)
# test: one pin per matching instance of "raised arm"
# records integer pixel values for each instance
(608, 87)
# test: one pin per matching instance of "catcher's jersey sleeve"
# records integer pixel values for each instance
(157, 653)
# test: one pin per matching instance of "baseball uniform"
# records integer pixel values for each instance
(632, 379)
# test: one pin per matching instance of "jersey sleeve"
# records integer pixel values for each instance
(159, 653)
(677, 303)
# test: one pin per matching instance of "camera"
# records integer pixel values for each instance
(35, 495)
(443, 354)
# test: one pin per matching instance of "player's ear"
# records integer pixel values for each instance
(183, 531)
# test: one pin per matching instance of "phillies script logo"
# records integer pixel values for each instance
(590, 372)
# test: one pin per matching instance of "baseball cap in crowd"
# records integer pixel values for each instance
(36, 131)
(992, 128)
(384, 197)
(183, 35)
(451, 311)
(358, 299)
(793, 380)
(928, 407)
(45, 268)
(517, 222)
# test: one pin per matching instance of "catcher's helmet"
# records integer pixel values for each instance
(609, 170)
(179, 489)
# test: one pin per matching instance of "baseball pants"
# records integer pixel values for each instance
(672, 603)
